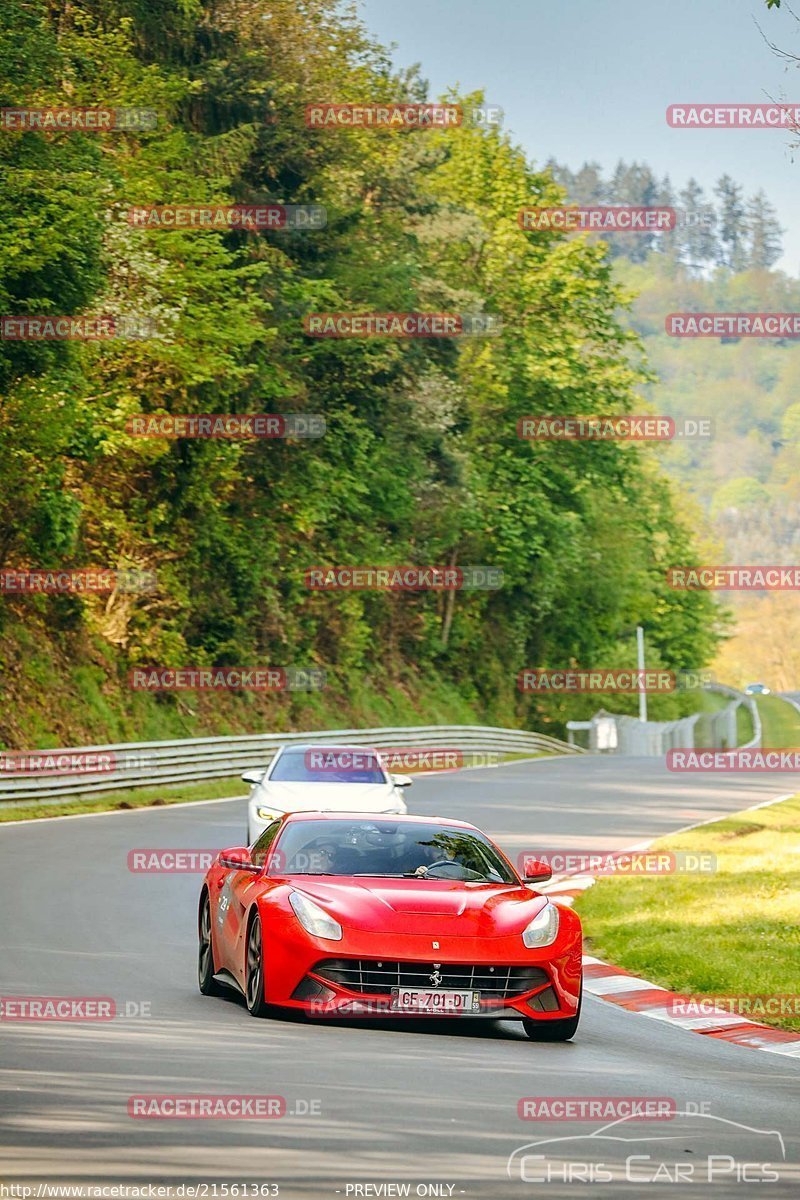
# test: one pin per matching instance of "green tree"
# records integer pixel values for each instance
(421, 462)
(698, 244)
(732, 229)
(742, 493)
(763, 232)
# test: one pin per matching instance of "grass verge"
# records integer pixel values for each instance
(735, 932)
(780, 723)
(147, 797)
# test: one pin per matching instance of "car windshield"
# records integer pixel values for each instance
(327, 765)
(396, 849)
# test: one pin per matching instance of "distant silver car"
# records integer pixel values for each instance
(756, 689)
(322, 778)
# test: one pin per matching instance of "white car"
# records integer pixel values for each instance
(322, 778)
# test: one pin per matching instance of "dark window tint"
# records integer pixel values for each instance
(327, 765)
(262, 845)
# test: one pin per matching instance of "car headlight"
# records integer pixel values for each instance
(314, 919)
(266, 814)
(543, 929)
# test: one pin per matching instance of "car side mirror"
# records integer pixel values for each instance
(253, 777)
(537, 871)
(402, 780)
(238, 859)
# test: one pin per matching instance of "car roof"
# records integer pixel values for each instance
(372, 818)
(329, 746)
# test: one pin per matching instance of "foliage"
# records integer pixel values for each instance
(421, 462)
(742, 235)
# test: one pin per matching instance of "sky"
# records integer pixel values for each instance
(591, 79)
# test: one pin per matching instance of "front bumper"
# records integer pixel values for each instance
(299, 974)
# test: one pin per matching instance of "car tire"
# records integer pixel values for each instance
(554, 1031)
(205, 957)
(254, 970)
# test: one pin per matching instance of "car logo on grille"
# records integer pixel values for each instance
(435, 977)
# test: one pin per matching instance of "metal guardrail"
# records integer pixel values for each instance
(792, 698)
(616, 733)
(142, 764)
(738, 698)
(619, 734)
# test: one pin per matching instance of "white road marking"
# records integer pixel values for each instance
(605, 984)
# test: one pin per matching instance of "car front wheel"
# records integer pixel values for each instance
(254, 972)
(554, 1031)
(205, 960)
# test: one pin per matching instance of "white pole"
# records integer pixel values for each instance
(640, 661)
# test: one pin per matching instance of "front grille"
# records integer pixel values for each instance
(372, 978)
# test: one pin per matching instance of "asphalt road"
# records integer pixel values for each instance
(433, 1106)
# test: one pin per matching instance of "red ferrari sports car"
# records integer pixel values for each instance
(337, 914)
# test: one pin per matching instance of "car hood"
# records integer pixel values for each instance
(338, 797)
(423, 906)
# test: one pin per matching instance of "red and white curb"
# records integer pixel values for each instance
(565, 888)
(649, 1000)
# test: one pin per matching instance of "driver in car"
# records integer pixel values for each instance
(443, 854)
(317, 858)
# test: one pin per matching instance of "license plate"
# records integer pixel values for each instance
(426, 1000)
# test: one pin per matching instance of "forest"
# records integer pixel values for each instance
(419, 464)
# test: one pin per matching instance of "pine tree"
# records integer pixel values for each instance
(635, 184)
(561, 174)
(763, 232)
(697, 223)
(588, 185)
(638, 185)
(667, 243)
(665, 195)
(732, 226)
